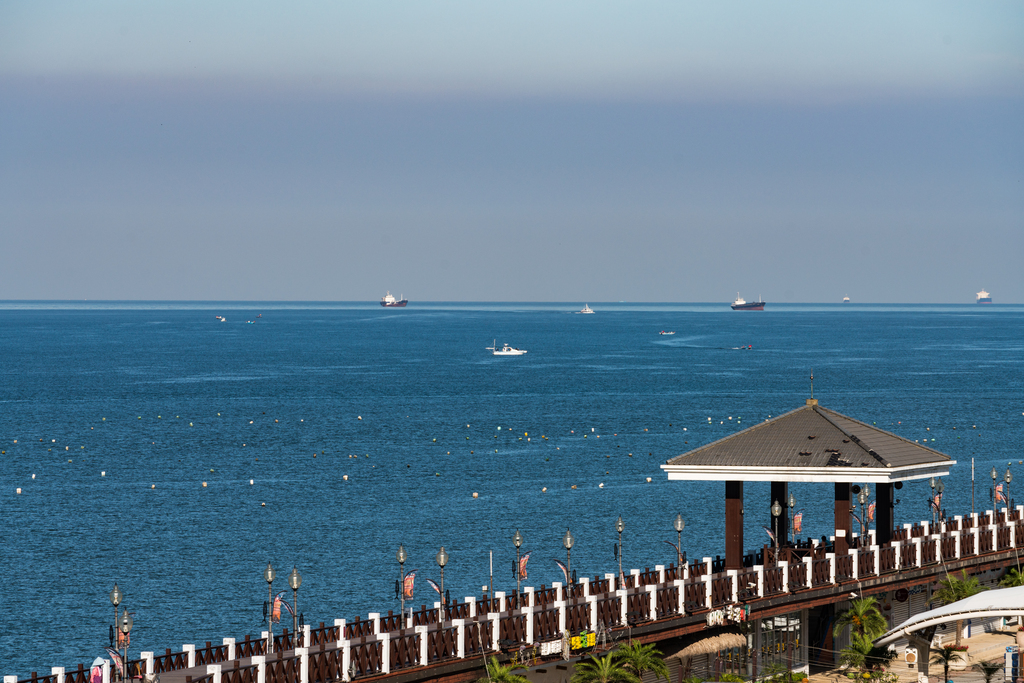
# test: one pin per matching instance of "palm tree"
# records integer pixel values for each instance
(1014, 577)
(603, 670)
(863, 617)
(946, 655)
(499, 673)
(638, 658)
(988, 669)
(955, 588)
(863, 654)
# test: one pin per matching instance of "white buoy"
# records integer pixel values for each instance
(475, 494)
(360, 417)
(601, 485)
(544, 490)
(345, 477)
(18, 491)
(204, 484)
(33, 476)
(648, 480)
(103, 473)
(153, 486)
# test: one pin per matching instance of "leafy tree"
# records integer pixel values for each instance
(499, 673)
(863, 618)
(988, 669)
(863, 654)
(953, 589)
(638, 658)
(603, 670)
(1014, 577)
(944, 656)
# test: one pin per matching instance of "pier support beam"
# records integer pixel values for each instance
(734, 525)
(843, 524)
(780, 492)
(883, 513)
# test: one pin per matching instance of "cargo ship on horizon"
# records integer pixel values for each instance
(984, 297)
(741, 305)
(388, 301)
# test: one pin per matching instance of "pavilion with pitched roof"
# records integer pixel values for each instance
(809, 444)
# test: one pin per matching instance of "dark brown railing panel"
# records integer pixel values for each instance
(797, 576)
(886, 559)
(844, 567)
(929, 554)
(773, 581)
(721, 591)
(866, 562)
(821, 572)
(695, 598)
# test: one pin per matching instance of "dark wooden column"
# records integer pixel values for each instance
(842, 517)
(734, 525)
(883, 513)
(780, 492)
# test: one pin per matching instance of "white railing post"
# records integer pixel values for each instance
(421, 631)
(652, 591)
(190, 654)
(585, 582)
(346, 659)
(917, 550)
(635, 573)
(559, 595)
(808, 563)
(460, 630)
(706, 579)
(230, 642)
(875, 553)
(855, 560)
(385, 652)
(106, 671)
(10, 679)
(956, 538)
(471, 601)
(529, 597)
(707, 566)
(148, 658)
(785, 575)
(831, 557)
(528, 613)
(213, 670)
(623, 600)
(734, 581)
(613, 583)
(261, 668)
(495, 630)
(592, 611)
(681, 594)
(560, 605)
(58, 674)
(303, 654)
(898, 547)
(660, 568)
(760, 580)
(306, 635)
(375, 618)
(500, 597)
(340, 625)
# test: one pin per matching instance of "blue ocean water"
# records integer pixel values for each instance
(162, 397)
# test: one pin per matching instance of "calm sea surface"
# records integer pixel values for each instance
(419, 416)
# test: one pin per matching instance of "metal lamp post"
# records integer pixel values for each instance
(1008, 478)
(294, 581)
(678, 524)
(442, 560)
(568, 541)
(862, 498)
(116, 596)
(776, 513)
(995, 475)
(940, 487)
(126, 627)
(401, 557)
(931, 501)
(792, 513)
(619, 526)
(268, 576)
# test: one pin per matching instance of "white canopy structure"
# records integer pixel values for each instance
(1002, 602)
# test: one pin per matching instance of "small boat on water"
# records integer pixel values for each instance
(984, 297)
(741, 305)
(846, 299)
(664, 332)
(586, 309)
(505, 350)
(389, 301)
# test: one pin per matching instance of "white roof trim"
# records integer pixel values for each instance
(873, 475)
(1002, 602)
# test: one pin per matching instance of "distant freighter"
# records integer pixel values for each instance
(741, 305)
(389, 301)
(984, 297)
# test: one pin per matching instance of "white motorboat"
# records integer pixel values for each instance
(505, 350)
(664, 332)
(586, 309)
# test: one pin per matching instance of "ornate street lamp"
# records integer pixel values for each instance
(995, 475)
(1008, 478)
(567, 541)
(268, 576)
(776, 513)
(678, 524)
(619, 526)
(401, 557)
(517, 541)
(295, 580)
(116, 596)
(792, 513)
(442, 560)
(126, 628)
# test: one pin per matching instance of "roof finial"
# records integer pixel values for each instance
(812, 382)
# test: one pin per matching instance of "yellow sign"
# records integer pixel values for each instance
(583, 640)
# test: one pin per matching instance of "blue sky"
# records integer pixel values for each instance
(512, 151)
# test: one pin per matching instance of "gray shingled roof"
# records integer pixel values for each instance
(812, 436)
